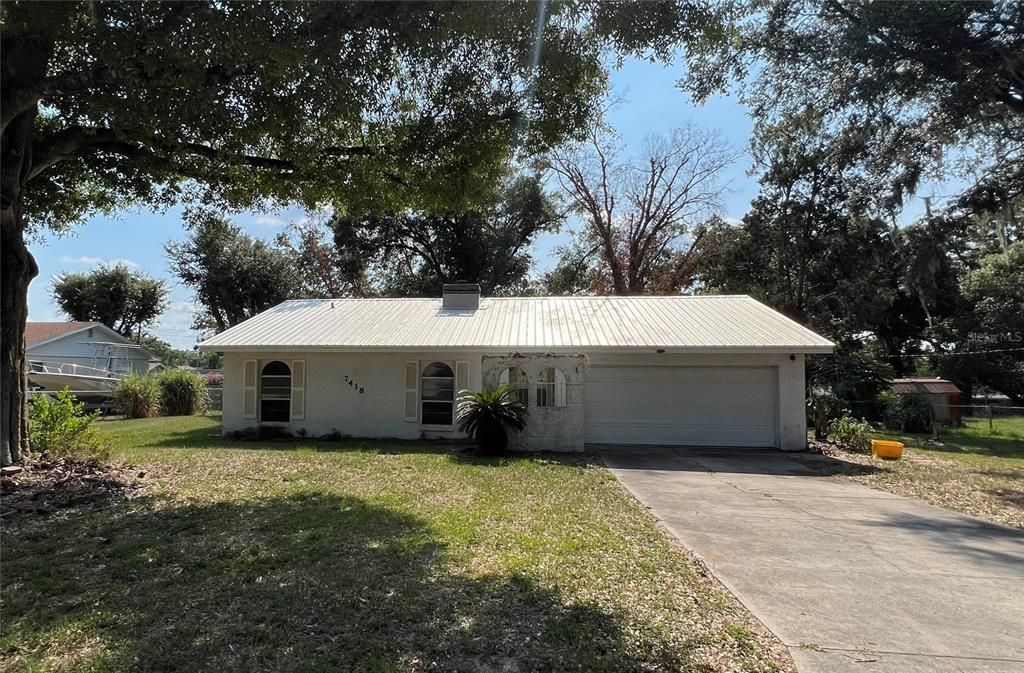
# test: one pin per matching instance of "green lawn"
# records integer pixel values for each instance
(969, 469)
(361, 556)
(1001, 447)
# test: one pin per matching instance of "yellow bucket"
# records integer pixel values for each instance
(888, 449)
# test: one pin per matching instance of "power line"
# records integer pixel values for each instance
(946, 355)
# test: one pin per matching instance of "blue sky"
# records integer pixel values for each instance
(651, 104)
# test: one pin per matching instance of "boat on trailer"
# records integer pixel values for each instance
(110, 363)
(55, 376)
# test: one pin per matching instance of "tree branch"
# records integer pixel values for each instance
(77, 141)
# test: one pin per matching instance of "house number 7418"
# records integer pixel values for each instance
(354, 385)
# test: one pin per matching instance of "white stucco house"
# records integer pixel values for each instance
(672, 370)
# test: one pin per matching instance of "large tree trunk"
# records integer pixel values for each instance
(17, 269)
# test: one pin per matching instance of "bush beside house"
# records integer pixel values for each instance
(174, 392)
(137, 396)
(182, 392)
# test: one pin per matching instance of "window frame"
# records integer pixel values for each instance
(550, 388)
(424, 365)
(260, 395)
(521, 388)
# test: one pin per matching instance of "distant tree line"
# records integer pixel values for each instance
(855, 105)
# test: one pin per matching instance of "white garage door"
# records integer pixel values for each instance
(709, 406)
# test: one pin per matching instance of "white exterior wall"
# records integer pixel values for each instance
(547, 428)
(80, 349)
(331, 405)
(790, 397)
(334, 406)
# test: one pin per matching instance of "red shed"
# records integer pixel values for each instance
(942, 395)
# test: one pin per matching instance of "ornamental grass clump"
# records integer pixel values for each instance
(182, 393)
(486, 416)
(137, 396)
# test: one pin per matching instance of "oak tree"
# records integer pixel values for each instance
(250, 104)
(233, 275)
(414, 253)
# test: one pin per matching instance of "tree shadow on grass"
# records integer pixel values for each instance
(1012, 497)
(303, 583)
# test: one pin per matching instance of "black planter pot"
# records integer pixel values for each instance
(492, 439)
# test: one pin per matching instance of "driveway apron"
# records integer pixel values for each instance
(851, 579)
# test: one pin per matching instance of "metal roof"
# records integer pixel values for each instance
(707, 323)
(918, 384)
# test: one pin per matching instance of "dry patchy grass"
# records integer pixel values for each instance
(970, 469)
(361, 556)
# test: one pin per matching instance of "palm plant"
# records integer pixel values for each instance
(485, 416)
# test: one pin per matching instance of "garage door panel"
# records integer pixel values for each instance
(720, 406)
(703, 375)
(672, 434)
(668, 394)
(680, 411)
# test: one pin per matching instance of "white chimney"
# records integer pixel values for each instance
(460, 296)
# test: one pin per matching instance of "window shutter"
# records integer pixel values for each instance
(412, 391)
(461, 381)
(249, 389)
(461, 376)
(298, 389)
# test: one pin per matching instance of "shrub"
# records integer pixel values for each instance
(214, 378)
(137, 396)
(906, 413)
(822, 407)
(850, 433)
(486, 415)
(182, 392)
(60, 427)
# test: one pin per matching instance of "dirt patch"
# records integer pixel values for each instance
(49, 486)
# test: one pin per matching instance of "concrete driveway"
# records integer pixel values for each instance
(849, 578)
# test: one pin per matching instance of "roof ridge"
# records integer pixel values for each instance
(63, 322)
(616, 297)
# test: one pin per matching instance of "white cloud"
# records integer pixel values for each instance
(270, 221)
(175, 325)
(95, 261)
(734, 221)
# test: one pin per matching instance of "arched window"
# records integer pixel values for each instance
(437, 394)
(551, 388)
(275, 392)
(515, 378)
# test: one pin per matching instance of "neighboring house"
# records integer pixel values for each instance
(706, 370)
(943, 396)
(87, 344)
